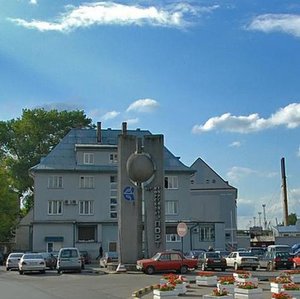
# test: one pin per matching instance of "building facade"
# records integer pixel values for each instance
(76, 197)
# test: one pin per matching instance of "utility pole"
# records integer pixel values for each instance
(264, 215)
(259, 218)
(285, 203)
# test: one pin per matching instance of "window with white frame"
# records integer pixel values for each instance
(171, 182)
(113, 158)
(88, 158)
(206, 232)
(86, 182)
(86, 207)
(55, 207)
(55, 182)
(113, 204)
(171, 207)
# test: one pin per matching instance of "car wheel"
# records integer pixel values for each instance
(150, 270)
(184, 269)
(203, 267)
(236, 266)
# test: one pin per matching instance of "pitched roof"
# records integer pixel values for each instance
(63, 156)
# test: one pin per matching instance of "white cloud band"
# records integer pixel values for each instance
(288, 116)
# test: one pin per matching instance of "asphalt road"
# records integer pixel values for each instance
(91, 284)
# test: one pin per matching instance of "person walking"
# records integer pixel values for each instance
(100, 252)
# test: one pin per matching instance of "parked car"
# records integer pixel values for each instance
(257, 251)
(276, 260)
(166, 261)
(193, 254)
(279, 248)
(12, 261)
(296, 260)
(223, 253)
(109, 257)
(30, 262)
(211, 260)
(242, 259)
(68, 259)
(50, 259)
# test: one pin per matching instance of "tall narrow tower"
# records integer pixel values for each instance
(284, 192)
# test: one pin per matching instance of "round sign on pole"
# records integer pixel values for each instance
(181, 229)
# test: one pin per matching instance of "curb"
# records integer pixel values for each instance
(141, 292)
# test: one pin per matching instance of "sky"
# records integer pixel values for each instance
(220, 79)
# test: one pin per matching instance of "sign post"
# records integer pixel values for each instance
(181, 231)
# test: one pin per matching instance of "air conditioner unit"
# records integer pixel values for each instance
(66, 202)
(73, 202)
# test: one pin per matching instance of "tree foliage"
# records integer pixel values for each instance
(9, 207)
(292, 219)
(23, 141)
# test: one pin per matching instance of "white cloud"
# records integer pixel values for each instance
(110, 115)
(235, 144)
(33, 2)
(111, 13)
(285, 23)
(288, 116)
(143, 105)
(132, 121)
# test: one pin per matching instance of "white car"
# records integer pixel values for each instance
(69, 259)
(242, 259)
(12, 260)
(32, 262)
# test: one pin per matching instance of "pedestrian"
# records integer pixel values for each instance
(100, 252)
(210, 248)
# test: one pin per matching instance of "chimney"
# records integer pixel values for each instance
(124, 128)
(99, 135)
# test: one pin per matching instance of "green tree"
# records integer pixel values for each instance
(292, 219)
(9, 207)
(24, 141)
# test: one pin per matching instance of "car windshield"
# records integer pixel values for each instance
(16, 255)
(245, 254)
(155, 256)
(282, 254)
(212, 255)
(32, 256)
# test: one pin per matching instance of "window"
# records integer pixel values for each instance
(113, 158)
(55, 182)
(171, 207)
(86, 233)
(206, 232)
(113, 206)
(55, 207)
(171, 182)
(86, 182)
(88, 158)
(172, 238)
(86, 207)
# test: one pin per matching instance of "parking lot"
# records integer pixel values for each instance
(94, 282)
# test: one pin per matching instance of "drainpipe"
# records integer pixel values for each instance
(191, 235)
(74, 233)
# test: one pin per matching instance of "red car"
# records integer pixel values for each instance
(296, 260)
(166, 261)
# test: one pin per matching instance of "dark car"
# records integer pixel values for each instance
(257, 251)
(211, 260)
(50, 259)
(85, 257)
(193, 254)
(276, 260)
